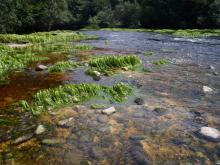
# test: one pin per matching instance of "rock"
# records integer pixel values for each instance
(96, 73)
(125, 68)
(102, 119)
(139, 101)
(97, 78)
(41, 68)
(210, 134)
(211, 67)
(109, 111)
(160, 111)
(66, 122)
(215, 73)
(207, 89)
(53, 142)
(137, 138)
(40, 129)
(85, 162)
(23, 138)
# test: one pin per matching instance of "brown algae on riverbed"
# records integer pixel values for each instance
(160, 131)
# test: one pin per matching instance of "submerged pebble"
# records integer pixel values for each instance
(40, 129)
(53, 142)
(102, 119)
(139, 101)
(23, 138)
(66, 122)
(207, 89)
(210, 133)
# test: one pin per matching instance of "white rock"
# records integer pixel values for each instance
(109, 111)
(211, 67)
(210, 133)
(41, 67)
(207, 89)
(97, 73)
(40, 129)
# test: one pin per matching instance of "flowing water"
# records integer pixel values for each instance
(161, 131)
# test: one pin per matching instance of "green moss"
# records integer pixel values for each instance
(72, 94)
(63, 66)
(162, 62)
(108, 64)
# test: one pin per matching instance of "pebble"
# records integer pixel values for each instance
(211, 67)
(40, 129)
(109, 111)
(207, 89)
(97, 78)
(66, 122)
(215, 73)
(41, 68)
(210, 133)
(23, 138)
(139, 101)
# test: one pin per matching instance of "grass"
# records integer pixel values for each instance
(179, 32)
(7, 122)
(42, 43)
(63, 66)
(108, 64)
(162, 62)
(74, 94)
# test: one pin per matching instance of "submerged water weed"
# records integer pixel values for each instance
(63, 66)
(150, 53)
(108, 64)
(7, 122)
(74, 93)
(162, 62)
(98, 106)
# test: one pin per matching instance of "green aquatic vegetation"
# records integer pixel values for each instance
(74, 93)
(43, 37)
(149, 53)
(63, 66)
(83, 47)
(7, 122)
(98, 106)
(162, 62)
(108, 64)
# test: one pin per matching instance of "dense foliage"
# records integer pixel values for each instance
(40, 15)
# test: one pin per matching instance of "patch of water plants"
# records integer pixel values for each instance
(63, 66)
(42, 43)
(107, 65)
(74, 94)
(83, 47)
(162, 62)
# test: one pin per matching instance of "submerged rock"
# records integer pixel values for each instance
(109, 111)
(215, 73)
(139, 101)
(23, 138)
(66, 122)
(207, 89)
(210, 133)
(97, 78)
(211, 67)
(40, 129)
(102, 119)
(41, 68)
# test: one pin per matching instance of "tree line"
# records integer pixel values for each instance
(21, 16)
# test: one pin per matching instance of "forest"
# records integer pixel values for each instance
(25, 16)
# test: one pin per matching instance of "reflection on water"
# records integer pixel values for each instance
(161, 131)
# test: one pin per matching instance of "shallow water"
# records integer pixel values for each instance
(162, 131)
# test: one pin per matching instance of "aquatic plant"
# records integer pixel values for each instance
(7, 122)
(108, 64)
(150, 53)
(162, 62)
(98, 106)
(83, 47)
(63, 66)
(74, 93)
